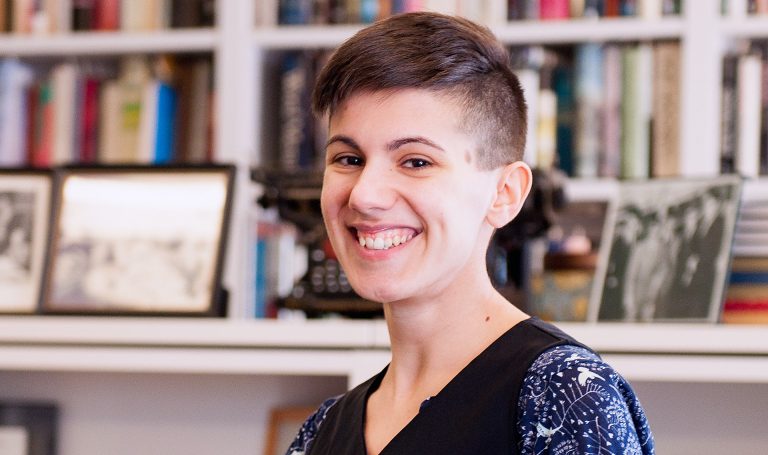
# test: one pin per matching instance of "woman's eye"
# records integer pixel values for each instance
(416, 163)
(349, 160)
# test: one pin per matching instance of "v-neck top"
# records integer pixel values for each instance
(494, 405)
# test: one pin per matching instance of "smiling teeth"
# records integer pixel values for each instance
(384, 240)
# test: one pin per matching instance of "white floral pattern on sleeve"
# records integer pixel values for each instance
(572, 402)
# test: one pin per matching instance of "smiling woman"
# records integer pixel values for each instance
(427, 128)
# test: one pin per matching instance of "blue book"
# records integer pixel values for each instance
(166, 119)
(295, 12)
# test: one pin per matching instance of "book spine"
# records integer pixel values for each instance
(749, 111)
(665, 150)
(728, 115)
(589, 93)
(166, 120)
(554, 9)
(610, 160)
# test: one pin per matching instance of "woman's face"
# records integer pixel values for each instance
(403, 202)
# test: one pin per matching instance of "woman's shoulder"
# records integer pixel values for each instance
(571, 399)
(310, 427)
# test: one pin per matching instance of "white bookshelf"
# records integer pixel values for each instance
(171, 362)
(108, 43)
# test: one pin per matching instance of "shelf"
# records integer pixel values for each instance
(109, 43)
(589, 30)
(355, 349)
(750, 27)
(523, 32)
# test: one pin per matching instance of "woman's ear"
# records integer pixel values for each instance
(513, 185)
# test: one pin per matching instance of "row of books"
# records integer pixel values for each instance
(568, 9)
(594, 110)
(302, 12)
(42, 17)
(605, 110)
(148, 113)
(746, 299)
(744, 116)
(742, 8)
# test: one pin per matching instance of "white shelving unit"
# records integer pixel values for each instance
(200, 386)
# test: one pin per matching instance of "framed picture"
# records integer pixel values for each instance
(666, 251)
(138, 240)
(25, 207)
(284, 425)
(28, 428)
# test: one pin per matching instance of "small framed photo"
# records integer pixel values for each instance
(666, 251)
(25, 207)
(138, 240)
(284, 425)
(28, 428)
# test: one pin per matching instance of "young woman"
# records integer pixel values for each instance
(423, 163)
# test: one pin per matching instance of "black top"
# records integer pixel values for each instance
(475, 413)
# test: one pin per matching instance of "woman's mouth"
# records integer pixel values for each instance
(384, 239)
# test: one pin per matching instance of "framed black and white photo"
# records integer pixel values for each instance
(25, 206)
(28, 428)
(138, 240)
(666, 251)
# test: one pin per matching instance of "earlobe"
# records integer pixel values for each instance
(512, 187)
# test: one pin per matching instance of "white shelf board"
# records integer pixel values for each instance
(657, 338)
(191, 332)
(355, 349)
(589, 30)
(522, 32)
(749, 27)
(109, 43)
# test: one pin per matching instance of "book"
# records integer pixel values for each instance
(728, 114)
(749, 82)
(563, 81)
(193, 84)
(665, 147)
(554, 9)
(610, 159)
(636, 111)
(14, 79)
(589, 95)
(63, 87)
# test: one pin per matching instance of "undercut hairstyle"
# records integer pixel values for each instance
(444, 54)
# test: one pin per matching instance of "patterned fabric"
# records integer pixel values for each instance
(571, 403)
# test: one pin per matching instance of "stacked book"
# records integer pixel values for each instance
(746, 299)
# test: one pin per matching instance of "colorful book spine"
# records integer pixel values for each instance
(589, 94)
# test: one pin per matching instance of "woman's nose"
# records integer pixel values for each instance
(373, 190)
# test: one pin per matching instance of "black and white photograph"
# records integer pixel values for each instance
(666, 251)
(24, 223)
(138, 240)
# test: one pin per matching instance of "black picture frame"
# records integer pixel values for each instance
(28, 428)
(25, 217)
(666, 251)
(139, 240)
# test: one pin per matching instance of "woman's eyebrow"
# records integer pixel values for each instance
(397, 143)
(344, 140)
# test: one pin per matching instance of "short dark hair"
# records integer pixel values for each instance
(445, 54)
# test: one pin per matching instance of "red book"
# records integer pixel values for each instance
(612, 8)
(107, 14)
(41, 155)
(554, 9)
(89, 121)
(33, 106)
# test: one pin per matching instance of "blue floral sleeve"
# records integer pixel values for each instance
(308, 431)
(573, 402)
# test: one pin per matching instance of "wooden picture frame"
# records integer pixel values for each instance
(666, 251)
(139, 240)
(284, 425)
(25, 216)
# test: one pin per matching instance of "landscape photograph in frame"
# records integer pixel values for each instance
(139, 240)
